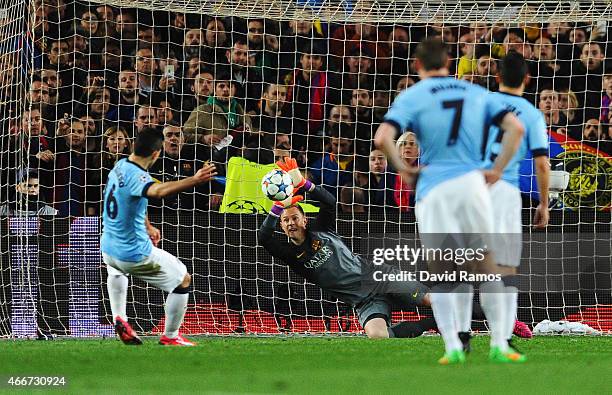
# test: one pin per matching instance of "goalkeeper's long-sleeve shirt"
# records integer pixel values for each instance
(323, 258)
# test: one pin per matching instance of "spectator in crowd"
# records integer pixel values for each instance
(404, 83)
(606, 96)
(382, 101)
(246, 80)
(201, 88)
(301, 34)
(177, 162)
(466, 63)
(399, 44)
(215, 43)
(59, 55)
(403, 194)
(381, 185)
(361, 101)
(27, 200)
(69, 175)
(358, 71)
(192, 42)
(92, 132)
(486, 69)
(221, 116)
(354, 194)
(568, 104)
(339, 113)
(125, 26)
(129, 96)
(308, 91)
(548, 66)
(116, 145)
(38, 95)
(146, 71)
(592, 131)
(549, 105)
(586, 79)
(262, 56)
(334, 169)
(39, 148)
(165, 113)
(146, 116)
(346, 38)
(272, 109)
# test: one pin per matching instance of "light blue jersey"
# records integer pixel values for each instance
(124, 235)
(451, 119)
(535, 139)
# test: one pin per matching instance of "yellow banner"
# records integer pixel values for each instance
(243, 194)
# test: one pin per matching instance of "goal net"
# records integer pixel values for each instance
(242, 83)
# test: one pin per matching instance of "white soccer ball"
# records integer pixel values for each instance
(277, 185)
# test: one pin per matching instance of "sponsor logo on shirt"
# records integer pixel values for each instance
(319, 258)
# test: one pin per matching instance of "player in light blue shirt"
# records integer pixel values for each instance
(513, 74)
(505, 194)
(129, 241)
(450, 119)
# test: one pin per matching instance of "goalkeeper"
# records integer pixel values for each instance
(317, 253)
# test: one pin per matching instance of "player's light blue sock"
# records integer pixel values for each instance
(117, 293)
(464, 296)
(443, 306)
(493, 302)
(176, 304)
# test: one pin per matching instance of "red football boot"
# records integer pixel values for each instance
(126, 333)
(176, 341)
(522, 330)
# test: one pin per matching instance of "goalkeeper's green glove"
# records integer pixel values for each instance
(279, 206)
(290, 166)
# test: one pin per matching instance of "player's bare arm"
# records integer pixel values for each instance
(542, 168)
(161, 190)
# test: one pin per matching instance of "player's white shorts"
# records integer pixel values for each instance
(458, 206)
(507, 204)
(160, 269)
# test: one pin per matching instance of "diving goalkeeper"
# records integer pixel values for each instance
(317, 253)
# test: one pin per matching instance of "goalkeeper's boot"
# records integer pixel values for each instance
(513, 347)
(176, 341)
(522, 330)
(465, 338)
(454, 357)
(126, 333)
(511, 356)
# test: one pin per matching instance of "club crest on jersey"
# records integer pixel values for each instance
(143, 178)
(316, 245)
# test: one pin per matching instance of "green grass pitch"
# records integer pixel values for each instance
(353, 365)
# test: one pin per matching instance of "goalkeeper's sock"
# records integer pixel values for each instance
(117, 293)
(176, 304)
(464, 299)
(406, 329)
(443, 306)
(511, 306)
(493, 302)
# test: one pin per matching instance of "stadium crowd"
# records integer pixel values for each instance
(260, 89)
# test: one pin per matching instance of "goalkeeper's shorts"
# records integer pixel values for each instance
(160, 269)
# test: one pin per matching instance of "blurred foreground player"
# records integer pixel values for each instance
(317, 253)
(505, 193)
(128, 239)
(449, 117)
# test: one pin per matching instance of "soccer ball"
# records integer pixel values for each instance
(277, 185)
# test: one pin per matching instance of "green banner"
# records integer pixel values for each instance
(243, 194)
